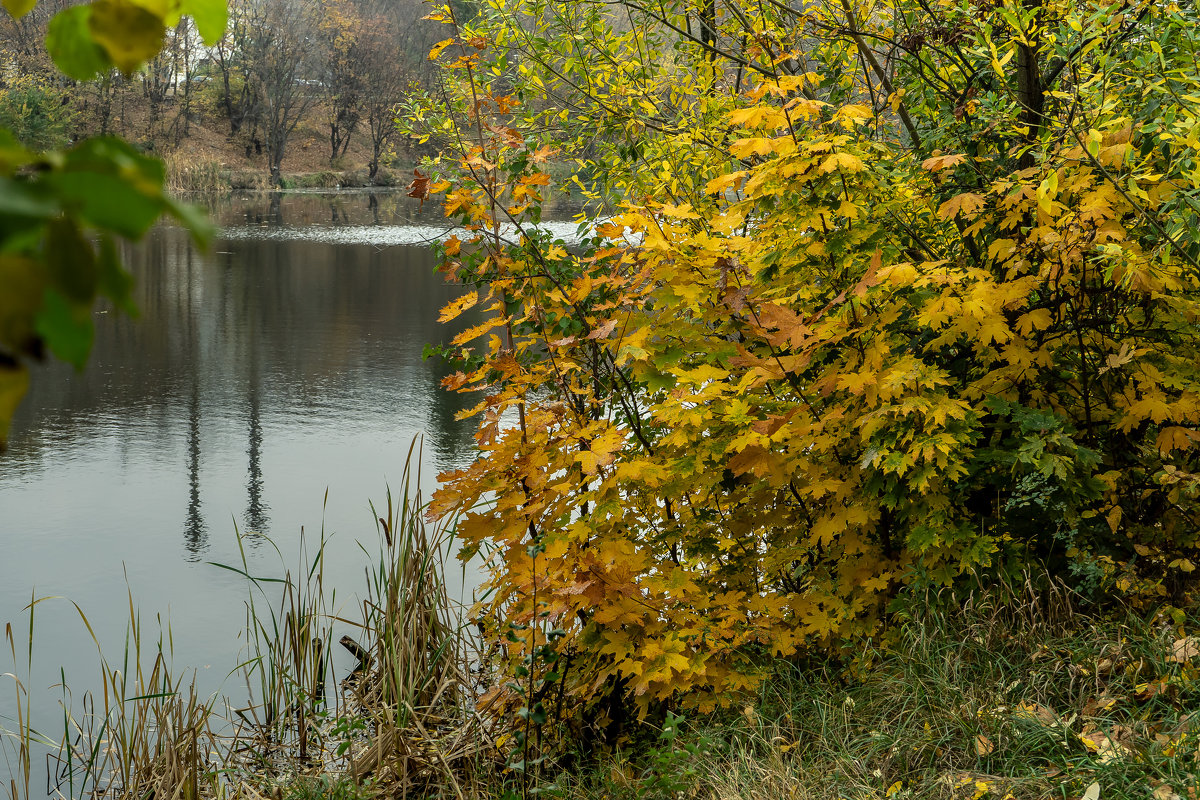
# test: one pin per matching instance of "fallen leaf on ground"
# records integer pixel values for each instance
(1185, 649)
(1102, 703)
(1107, 747)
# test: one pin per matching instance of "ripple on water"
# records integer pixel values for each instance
(390, 235)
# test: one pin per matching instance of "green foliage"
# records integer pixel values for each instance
(62, 212)
(37, 113)
(672, 768)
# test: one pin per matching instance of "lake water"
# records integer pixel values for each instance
(271, 384)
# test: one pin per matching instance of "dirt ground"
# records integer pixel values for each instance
(205, 145)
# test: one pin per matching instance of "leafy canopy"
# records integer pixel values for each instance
(889, 292)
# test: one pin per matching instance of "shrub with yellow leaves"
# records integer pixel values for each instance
(893, 294)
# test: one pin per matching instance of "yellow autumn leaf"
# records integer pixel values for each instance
(1175, 438)
(437, 49)
(454, 308)
(938, 163)
(679, 212)
(129, 33)
(968, 204)
(846, 161)
(853, 114)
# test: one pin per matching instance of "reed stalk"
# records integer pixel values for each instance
(402, 720)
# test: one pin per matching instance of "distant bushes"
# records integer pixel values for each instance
(38, 113)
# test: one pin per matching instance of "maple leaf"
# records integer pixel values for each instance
(968, 204)
(938, 163)
(453, 309)
(839, 161)
(419, 187)
(603, 330)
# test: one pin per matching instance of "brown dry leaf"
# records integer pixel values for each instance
(1097, 704)
(1037, 713)
(419, 188)
(1145, 691)
(1185, 649)
(984, 746)
(1107, 748)
(1166, 792)
(603, 330)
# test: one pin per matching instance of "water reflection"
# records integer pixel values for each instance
(255, 518)
(195, 532)
(258, 378)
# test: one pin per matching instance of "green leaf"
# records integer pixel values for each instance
(24, 283)
(23, 214)
(131, 34)
(109, 202)
(210, 17)
(114, 156)
(66, 328)
(195, 220)
(71, 262)
(14, 382)
(19, 199)
(115, 282)
(19, 8)
(69, 42)
(12, 153)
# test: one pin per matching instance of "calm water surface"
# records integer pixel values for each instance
(269, 385)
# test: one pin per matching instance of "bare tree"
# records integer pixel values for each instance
(341, 30)
(269, 53)
(230, 56)
(393, 53)
(21, 39)
(390, 77)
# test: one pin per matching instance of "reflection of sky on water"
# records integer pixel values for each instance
(396, 236)
(269, 386)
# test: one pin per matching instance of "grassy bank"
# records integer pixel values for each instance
(1005, 690)
(214, 177)
(977, 695)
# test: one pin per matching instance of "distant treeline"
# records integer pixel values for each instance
(338, 66)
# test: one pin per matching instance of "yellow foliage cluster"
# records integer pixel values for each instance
(849, 326)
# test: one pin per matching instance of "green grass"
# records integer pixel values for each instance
(977, 695)
(1010, 690)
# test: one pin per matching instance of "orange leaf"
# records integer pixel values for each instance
(968, 204)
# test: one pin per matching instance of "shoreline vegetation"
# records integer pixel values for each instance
(857, 457)
(215, 178)
(1010, 686)
(403, 717)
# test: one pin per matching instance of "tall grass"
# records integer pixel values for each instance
(414, 684)
(1014, 690)
(187, 175)
(287, 669)
(144, 733)
(402, 720)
